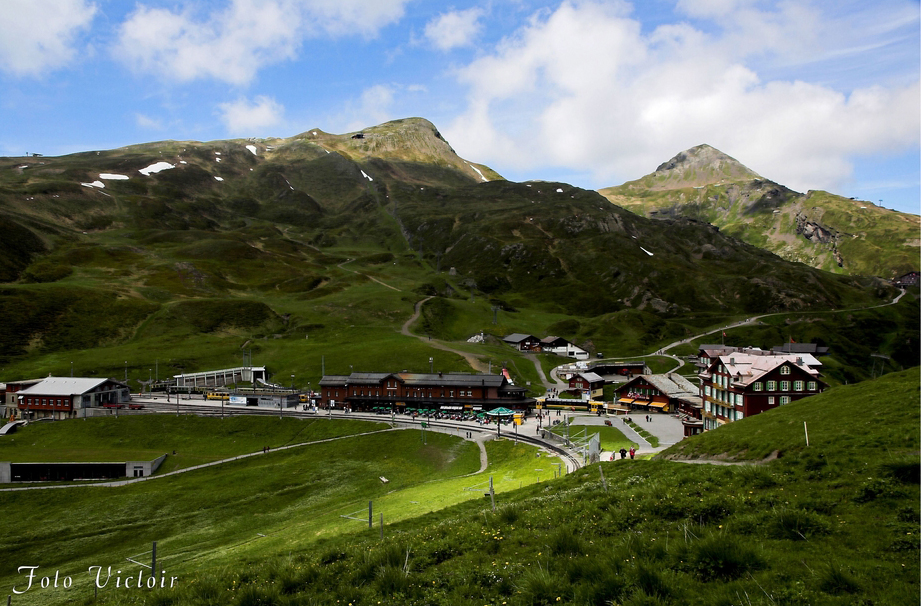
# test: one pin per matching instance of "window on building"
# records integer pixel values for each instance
(784, 370)
(770, 400)
(812, 385)
(739, 415)
(756, 386)
(451, 393)
(797, 386)
(785, 386)
(784, 400)
(772, 385)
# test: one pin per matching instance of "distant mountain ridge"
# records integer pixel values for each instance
(249, 237)
(820, 229)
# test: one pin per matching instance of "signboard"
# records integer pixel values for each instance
(238, 400)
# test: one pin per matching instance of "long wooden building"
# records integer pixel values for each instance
(362, 391)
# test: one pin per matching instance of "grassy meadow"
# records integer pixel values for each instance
(250, 508)
(833, 523)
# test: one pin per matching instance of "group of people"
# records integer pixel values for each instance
(624, 452)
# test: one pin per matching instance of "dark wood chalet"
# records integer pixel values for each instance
(589, 382)
(661, 393)
(363, 391)
(523, 342)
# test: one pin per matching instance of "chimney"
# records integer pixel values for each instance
(799, 361)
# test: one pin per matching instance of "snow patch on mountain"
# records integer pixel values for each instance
(155, 168)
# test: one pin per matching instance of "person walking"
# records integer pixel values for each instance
(632, 452)
(623, 453)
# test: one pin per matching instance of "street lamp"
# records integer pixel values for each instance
(431, 365)
(126, 372)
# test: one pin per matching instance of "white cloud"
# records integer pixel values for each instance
(233, 44)
(40, 35)
(584, 87)
(147, 122)
(454, 29)
(245, 118)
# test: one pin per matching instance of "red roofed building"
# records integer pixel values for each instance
(736, 385)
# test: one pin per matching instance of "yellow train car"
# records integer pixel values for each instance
(215, 395)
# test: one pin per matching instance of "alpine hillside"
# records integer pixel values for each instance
(183, 254)
(820, 229)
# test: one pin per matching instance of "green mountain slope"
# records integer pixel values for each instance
(125, 254)
(820, 229)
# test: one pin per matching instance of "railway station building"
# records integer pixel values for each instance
(70, 397)
(451, 392)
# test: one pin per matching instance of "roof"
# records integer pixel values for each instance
(807, 348)
(590, 377)
(671, 384)
(413, 379)
(458, 379)
(551, 340)
(367, 378)
(746, 369)
(334, 380)
(66, 386)
(517, 337)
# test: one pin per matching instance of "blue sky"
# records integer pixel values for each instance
(813, 94)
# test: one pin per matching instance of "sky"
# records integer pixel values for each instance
(812, 94)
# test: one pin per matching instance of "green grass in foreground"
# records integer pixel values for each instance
(257, 507)
(835, 524)
(195, 440)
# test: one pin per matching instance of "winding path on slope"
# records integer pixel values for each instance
(474, 362)
(680, 362)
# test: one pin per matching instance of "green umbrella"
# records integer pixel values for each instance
(501, 412)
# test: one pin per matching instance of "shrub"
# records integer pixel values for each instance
(794, 524)
(539, 586)
(907, 471)
(834, 580)
(651, 584)
(509, 514)
(564, 542)
(722, 557)
(392, 580)
(877, 488)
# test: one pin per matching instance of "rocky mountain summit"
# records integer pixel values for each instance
(820, 229)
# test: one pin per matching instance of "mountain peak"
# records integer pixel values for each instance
(407, 139)
(701, 165)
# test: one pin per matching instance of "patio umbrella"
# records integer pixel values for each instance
(501, 412)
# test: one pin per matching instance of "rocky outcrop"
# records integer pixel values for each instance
(818, 234)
